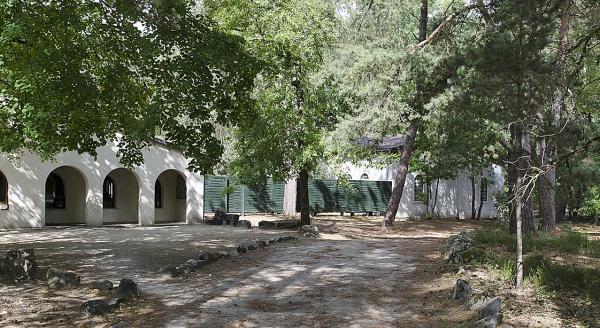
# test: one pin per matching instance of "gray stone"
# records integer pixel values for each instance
(209, 256)
(241, 249)
(248, 245)
(279, 224)
(101, 284)
(262, 243)
(234, 253)
(309, 231)
(462, 290)
(489, 312)
(61, 279)
(127, 290)
(96, 307)
(223, 254)
(19, 264)
(244, 224)
(191, 265)
(456, 244)
(221, 218)
(171, 271)
(492, 308)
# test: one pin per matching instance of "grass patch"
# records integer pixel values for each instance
(540, 272)
(567, 241)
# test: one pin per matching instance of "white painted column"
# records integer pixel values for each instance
(93, 209)
(146, 203)
(194, 209)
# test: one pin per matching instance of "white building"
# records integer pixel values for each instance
(453, 196)
(81, 189)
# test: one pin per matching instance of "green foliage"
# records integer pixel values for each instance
(541, 273)
(591, 203)
(568, 241)
(293, 105)
(74, 74)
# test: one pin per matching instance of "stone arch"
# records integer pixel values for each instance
(65, 194)
(120, 197)
(170, 191)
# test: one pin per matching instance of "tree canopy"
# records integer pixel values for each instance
(75, 74)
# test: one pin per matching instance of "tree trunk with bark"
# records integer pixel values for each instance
(437, 187)
(473, 196)
(480, 206)
(303, 200)
(519, 230)
(411, 134)
(518, 170)
(547, 149)
(400, 177)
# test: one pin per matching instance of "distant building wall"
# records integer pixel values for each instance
(453, 196)
(83, 177)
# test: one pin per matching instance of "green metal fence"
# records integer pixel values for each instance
(359, 196)
(356, 196)
(226, 194)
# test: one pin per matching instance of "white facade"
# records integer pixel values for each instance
(453, 196)
(36, 189)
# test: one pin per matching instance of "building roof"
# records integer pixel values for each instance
(388, 144)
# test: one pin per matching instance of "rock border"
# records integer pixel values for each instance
(211, 256)
(488, 308)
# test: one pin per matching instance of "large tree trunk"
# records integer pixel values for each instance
(546, 183)
(303, 201)
(437, 188)
(519, 157)
(400, 177)
(473, 196)
(548, 149)
(480, 204)
(411, 134)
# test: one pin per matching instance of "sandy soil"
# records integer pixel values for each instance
(354, 276)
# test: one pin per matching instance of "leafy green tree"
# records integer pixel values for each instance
(74, 74)
(398, 63)
(591, 204)
(281, 137)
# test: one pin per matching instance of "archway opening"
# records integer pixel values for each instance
(120, 197)
(170, 193)
(3, 192)
(65, 197)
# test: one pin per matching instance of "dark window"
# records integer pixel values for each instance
(484, 190)
(364, 176)
(55, 192)
(157, 195)
(180, 188)
(108, 193)
(420, 189)
(3, 192)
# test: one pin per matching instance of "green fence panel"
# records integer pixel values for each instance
(242, 198)
(359, 196)
(277, 196)
(214, 197)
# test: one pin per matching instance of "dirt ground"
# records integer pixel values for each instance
(354, 276)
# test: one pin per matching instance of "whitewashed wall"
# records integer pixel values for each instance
(454, 196)
(27, 173)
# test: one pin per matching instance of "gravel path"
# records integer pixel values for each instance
(354, 276)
